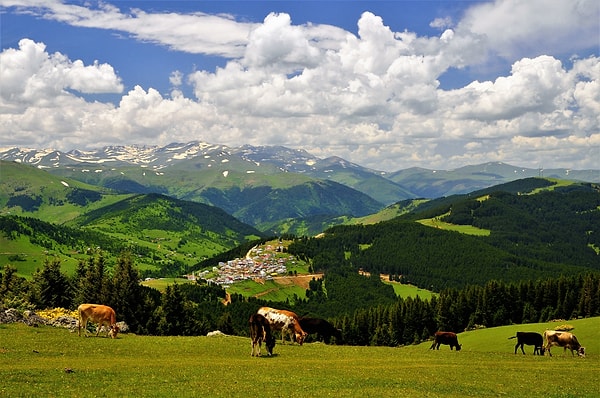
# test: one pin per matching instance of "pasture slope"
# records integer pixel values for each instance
(52, 362)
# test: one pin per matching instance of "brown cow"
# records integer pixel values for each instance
(565, 340)
(448, 338)
(260, 331)
(100, 314)
(286, 321)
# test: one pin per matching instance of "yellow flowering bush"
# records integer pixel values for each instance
(53, 313)
(564, 328)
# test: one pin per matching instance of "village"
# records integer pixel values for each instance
(260, 263)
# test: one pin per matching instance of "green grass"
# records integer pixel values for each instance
(33, 363)
(558, 183)
(403, 290)
(463, 229)
(27, 258)
(270, 290)
(162, 283)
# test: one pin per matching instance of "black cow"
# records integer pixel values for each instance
(530, 338)
(448, 338)
(322, 328)
(260, 331)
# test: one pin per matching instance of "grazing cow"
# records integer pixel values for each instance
(322, 328)
(530, 338)
(286, 321)
(565, 340)
(260, 331)
(100, 314)
(448, 338)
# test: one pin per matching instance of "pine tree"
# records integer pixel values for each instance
(91, 281)
(13, 288)
(50, 287)
(126, 294)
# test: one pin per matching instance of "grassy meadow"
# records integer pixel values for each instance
(435, 222)
(46, 361)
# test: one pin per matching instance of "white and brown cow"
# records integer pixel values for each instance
(286, 321)
(563, 339)
(99, 314)
(260, 330)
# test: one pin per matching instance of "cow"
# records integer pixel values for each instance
(260, 331)
(100, 314)
(448, 338)
(322, 328)
(530, 338)
(565, 340)
(286, 321)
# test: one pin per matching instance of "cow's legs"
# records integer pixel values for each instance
(98, 327)
(83, 324)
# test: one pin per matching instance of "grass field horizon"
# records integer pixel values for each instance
(47, 361)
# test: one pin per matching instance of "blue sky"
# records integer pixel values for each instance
(385, 84)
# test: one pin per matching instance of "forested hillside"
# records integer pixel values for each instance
(547, 234)
(364, 308)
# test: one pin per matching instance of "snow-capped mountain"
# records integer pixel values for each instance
(384, 187)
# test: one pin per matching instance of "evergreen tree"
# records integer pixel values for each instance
(91, 281)
(13, 289)
(171, 312)
(225, 323)
(50, 287)
(126, 294)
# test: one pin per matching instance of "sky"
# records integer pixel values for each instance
(385, 84)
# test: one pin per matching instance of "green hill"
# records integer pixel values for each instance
(28, 191)
(257, 194)
(546, 234)
(45, 216)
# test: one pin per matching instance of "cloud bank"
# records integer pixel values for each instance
(373, 97)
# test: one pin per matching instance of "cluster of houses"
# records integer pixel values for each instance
(261, 263)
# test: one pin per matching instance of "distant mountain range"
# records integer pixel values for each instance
(265, 186)
(44, 215)
(384, 187)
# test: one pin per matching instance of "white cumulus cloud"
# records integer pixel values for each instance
(374, 97)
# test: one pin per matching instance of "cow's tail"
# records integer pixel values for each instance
(512, 337)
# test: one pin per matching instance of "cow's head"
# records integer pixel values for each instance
(458, 347)
(270, 344)
(299, 337)
(114, 330)
(581, 351)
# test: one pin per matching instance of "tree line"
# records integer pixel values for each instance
(363, 307)
(531, 237)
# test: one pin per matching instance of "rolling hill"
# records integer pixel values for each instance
(44, 215)
(546, 233)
